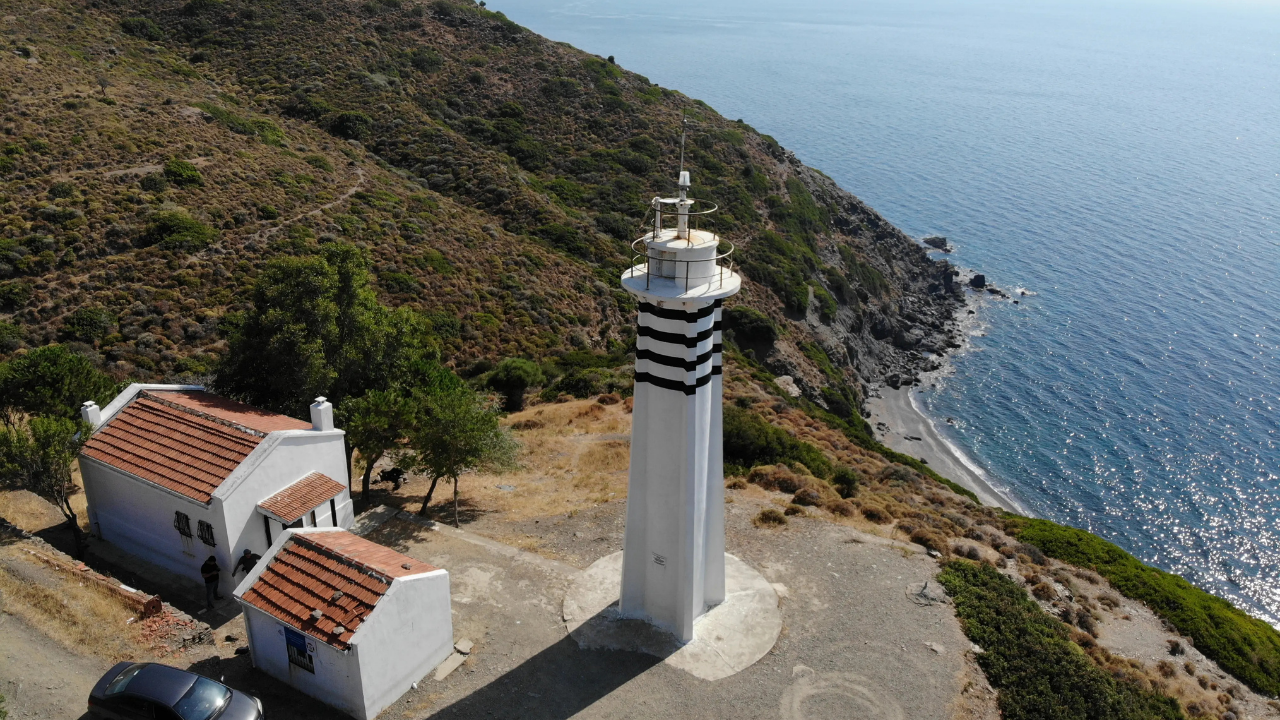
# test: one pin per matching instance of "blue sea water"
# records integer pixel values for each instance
(1119, 160)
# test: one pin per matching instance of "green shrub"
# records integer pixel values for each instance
(62, 190)
(174, 230)
(398, 283)
(846, 479)
(1028, 656)
(7, 165)
(306, 107)
(142, 28)
(425, 60)
(531, 154)
(770, 517)
(782, 264)
(14, 295)
(267, 131)
(512, 378)
(1244, 646)
(866, 276)
(563, 237)
(826, 304)
(195, 7)
(749, 440)
(351, 125)
(155, 182)
(10, 337)
(749, 326)
(586, 382)
(88, 324)
(319, 162)
(182, 173)
(268, 212)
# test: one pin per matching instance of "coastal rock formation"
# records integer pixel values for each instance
(978, 281)
(936, 242)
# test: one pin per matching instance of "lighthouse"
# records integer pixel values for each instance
(673, 561)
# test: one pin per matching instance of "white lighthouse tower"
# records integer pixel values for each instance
(673, 564)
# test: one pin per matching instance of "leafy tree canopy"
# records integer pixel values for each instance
(457, 431)
(315, 328)
(38, 455)
(52, 381)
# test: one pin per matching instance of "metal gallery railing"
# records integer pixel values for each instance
(637, 253)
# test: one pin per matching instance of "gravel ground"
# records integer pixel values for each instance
(854, 645)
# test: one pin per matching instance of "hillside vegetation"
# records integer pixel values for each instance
(157, 153)
(1244, 646)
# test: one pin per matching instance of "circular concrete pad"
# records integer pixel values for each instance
(727, 639)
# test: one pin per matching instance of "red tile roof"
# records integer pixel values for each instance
(342, 575)
(172, 445)
(233, 412)
(301, 497)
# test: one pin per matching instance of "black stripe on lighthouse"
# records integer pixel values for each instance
(677, 385)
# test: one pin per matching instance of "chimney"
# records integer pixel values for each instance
(321, 414)
(91, 413)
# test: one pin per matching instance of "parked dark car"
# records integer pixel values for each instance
(147, 691)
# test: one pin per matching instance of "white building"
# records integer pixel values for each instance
(345, 620)
(173, 474)
(673, 566)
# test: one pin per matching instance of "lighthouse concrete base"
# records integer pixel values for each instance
(727, 639)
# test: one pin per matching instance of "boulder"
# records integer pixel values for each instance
(937, 242)
(978, 281)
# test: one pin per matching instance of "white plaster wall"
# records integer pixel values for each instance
(137, 517)
(336, 681)
(409, 632)
(668, 500)
(281, 459)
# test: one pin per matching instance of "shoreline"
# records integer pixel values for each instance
(898, 411)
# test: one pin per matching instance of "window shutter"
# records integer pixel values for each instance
(182, 523)
(206, 533)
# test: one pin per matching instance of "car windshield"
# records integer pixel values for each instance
(122, 680)
(202, 701)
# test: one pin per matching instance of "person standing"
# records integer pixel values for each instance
(210, 572)
(246, 562)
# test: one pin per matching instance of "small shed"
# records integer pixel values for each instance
(345, 620)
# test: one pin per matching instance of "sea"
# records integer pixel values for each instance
(1118, 162)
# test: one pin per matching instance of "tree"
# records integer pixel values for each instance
(511, 378)
(276, 359)
(315, 327)
(51, 381)
(456, 432)
(375, 423)
(37, 456)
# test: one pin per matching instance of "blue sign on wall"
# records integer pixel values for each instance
(301, 649)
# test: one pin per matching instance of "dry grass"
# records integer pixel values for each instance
(28, 511)
(574, 455)
(79, 616)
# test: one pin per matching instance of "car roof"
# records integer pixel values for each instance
(161, 683)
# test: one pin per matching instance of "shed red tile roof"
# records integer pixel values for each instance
(301, 497)
(172, 445)
(342, 575)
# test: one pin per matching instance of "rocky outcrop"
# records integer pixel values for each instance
(936, 242)
(883, 336)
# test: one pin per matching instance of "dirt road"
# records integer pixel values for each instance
(40, 679)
